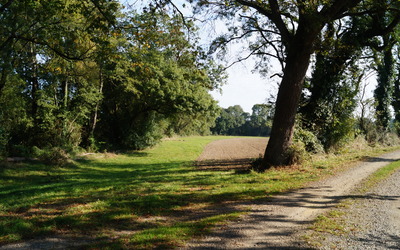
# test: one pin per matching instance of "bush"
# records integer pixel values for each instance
(3, 143)
(389, 139)
(308, 139)
(297, 153)
(53, 156)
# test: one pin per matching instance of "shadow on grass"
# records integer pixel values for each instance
(117, 199)
(97, 197)
(225, 165)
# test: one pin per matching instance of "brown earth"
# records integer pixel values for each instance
(235, 153)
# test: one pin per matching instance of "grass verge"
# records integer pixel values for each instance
(142, 200)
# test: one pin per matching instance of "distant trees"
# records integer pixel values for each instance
(234, 121)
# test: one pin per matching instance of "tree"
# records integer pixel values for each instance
(291, 30)
(49, 45)
(261, 119)
(383, 92)
(230, 121)
(158, 78)
(396, 93)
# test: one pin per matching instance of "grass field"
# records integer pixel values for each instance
(153, 198)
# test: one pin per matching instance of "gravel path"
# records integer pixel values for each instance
(376, 218)
(278, 224)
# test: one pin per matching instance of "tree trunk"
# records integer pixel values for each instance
(34, 81)
(3, 80)
(96, 110)
(298, 60)
(384, 87)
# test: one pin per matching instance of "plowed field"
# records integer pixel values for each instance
(232, 153)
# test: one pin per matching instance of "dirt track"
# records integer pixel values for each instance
(278, 224)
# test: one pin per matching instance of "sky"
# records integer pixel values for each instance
(243, 87)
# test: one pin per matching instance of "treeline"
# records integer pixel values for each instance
(234, 121)
(89, 74)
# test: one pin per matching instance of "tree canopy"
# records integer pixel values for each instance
(90, 74)
(291, 32)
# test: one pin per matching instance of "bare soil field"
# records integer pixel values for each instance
(235, 153)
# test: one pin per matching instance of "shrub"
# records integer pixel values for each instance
(297, 153)
(389, 139)
(53, 156)
(3, 142)
(309, 140)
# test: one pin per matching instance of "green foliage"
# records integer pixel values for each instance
(260, 120)
(396, 99)
(3, 142)
(52, 156)
(297, 153)
(230, 121)
(160, 83)
(234, 121)
(384, 89)
(71, 76)
(328, 110)
(308, 139)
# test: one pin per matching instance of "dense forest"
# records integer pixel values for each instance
(97, 75)
(91, 75)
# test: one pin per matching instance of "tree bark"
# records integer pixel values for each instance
(298, 60)
(101, 83)
(34, 81)
(3, 80)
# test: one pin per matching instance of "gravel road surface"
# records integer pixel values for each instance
(279, 224)
(375, 216)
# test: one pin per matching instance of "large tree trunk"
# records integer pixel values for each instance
(297, 62)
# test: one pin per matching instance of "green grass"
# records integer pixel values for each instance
(378, 176)
(153, 198)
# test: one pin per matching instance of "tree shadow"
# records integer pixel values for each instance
(135, 197)
(225, 165)
(378, 159)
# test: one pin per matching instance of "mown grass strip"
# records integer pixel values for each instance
(378, 176)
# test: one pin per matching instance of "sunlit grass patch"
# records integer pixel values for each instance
(174, 235)
(378, 176)
(331, 222)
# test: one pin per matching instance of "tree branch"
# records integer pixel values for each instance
(274, 14)
(243, 58)
(55, 50)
